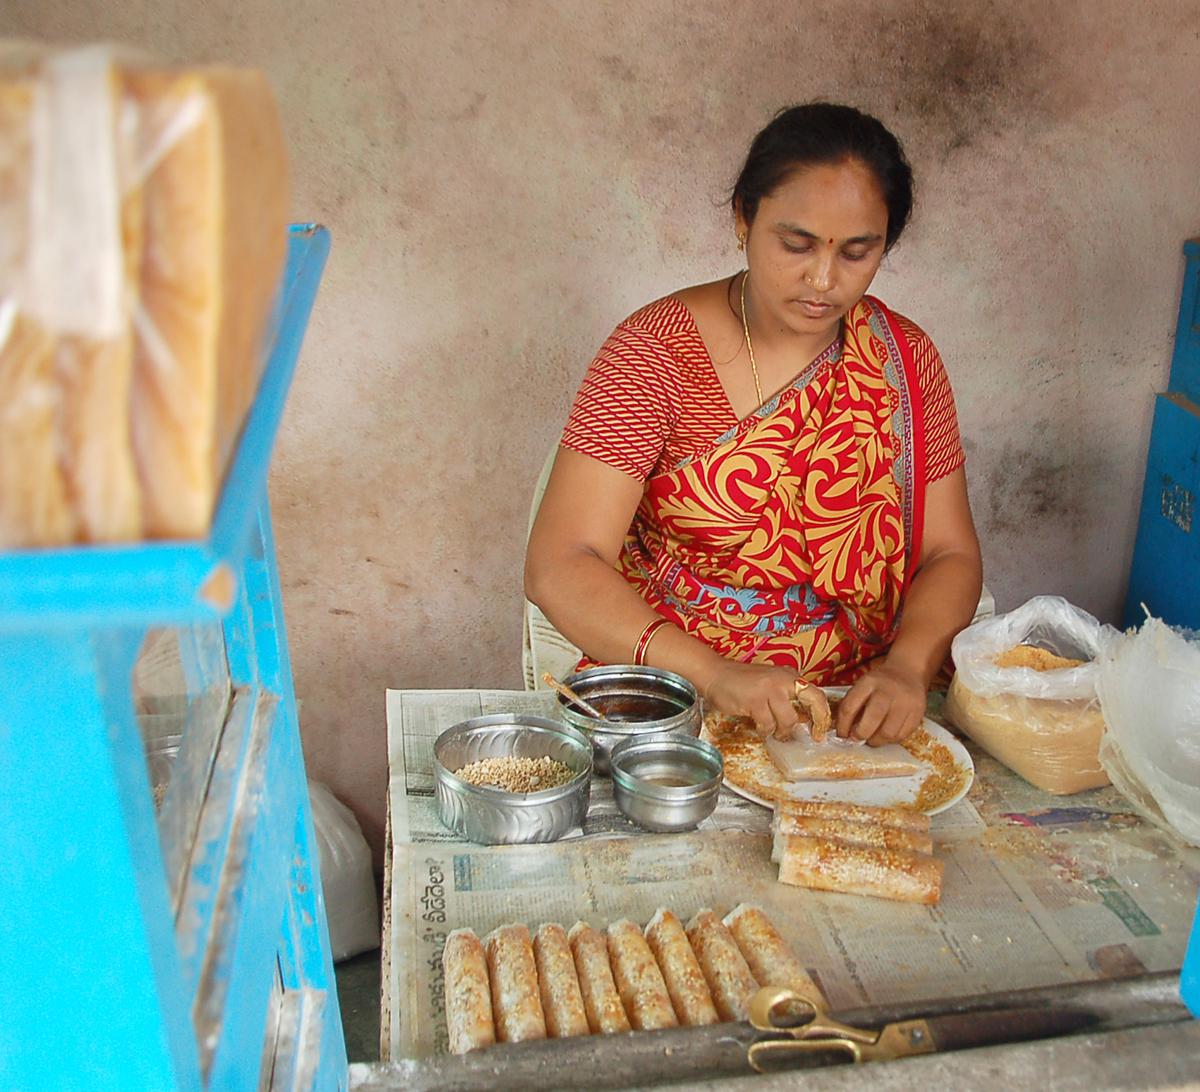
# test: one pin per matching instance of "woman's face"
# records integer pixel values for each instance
(815, 246)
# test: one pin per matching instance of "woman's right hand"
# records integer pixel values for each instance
(762, 692)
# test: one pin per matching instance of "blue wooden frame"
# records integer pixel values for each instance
(101, 983)
(1164, 576)
(1185, 359)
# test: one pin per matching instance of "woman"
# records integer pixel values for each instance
(761, 480)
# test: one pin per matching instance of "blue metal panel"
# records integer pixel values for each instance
(1185, 362)
(1165, 574)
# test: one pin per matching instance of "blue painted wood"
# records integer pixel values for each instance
(250, 910)
(272, 814)
(1185, 361)
(99, 987)
(1189, 975)
(215, 831)
(88, 970)
(1165, 574)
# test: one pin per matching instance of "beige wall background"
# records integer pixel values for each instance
(506, 181)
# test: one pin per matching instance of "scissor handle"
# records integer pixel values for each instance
(899, 1040)
(772, 1001)
(765, 1003)
(760, 1052)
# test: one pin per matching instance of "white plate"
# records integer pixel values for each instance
(881, 792)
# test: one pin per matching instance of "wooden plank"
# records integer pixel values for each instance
(718, 1052)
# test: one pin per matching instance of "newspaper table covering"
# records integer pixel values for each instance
(1038, 890)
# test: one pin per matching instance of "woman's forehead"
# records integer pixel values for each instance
(839, 200)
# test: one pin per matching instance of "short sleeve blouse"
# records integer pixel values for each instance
(651, 397)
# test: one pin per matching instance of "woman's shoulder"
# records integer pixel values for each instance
(693, 323)
(662, 319)
(679, 313)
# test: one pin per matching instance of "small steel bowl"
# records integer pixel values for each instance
(666, 783)
(495, 816)
(635, 701)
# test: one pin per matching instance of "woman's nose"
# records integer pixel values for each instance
(820, 274)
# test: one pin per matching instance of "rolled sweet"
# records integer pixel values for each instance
(767, 954)
(468, 993)
(680, 969)
(601, 1002)
(846, 830)
(729, 978)
(562, 1000)
(900, 818)
(827, 865)
(516, 1003)
(639, 981)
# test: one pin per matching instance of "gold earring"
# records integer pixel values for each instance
(741, 243)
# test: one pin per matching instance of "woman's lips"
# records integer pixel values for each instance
(815, 308)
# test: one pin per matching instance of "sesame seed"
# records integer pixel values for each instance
(515, 774)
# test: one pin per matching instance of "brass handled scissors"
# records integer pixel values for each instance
(801, 1024)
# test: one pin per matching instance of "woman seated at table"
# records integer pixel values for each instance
(761, 479)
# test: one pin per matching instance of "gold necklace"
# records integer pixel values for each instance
(749, 343)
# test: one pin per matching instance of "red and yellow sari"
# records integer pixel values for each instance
(791, 538)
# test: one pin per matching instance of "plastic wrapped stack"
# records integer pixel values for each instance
(1024, 689)
(142, 233)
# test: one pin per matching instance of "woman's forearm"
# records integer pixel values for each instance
(941, 600)
(595, 608)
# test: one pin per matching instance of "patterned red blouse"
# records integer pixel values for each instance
(651, 399)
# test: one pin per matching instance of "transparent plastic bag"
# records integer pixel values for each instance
(347, 880)
(143, 212)
(1045, 725)
(1149, 688)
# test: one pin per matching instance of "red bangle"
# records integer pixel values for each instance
(643, 642)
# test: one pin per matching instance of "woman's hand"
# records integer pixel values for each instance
(760, 691)
(884, 706)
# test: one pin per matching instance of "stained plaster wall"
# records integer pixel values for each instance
(505, 181)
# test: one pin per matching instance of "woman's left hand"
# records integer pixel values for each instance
(884, 706)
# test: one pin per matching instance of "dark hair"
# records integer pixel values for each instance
(825, 133)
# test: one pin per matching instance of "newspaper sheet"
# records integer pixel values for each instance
(1038, 890)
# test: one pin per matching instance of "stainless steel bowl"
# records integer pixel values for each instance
(666, 783)
(635, 701)
(494, 816)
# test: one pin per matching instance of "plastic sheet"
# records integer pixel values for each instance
(835, 759)
(142, 232)
(347, 881)
(1149, 688)
(1045, 725)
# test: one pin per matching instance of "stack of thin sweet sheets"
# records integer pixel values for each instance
(856, 849)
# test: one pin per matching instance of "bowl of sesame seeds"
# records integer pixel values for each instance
(512, 778)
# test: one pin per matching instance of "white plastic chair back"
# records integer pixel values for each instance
(543, 647)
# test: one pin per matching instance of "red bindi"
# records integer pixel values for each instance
(831, 242)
